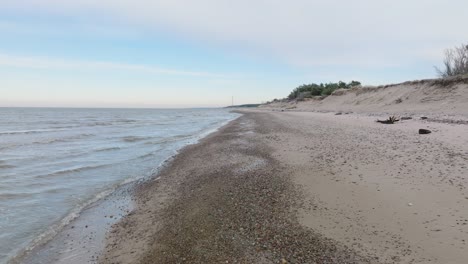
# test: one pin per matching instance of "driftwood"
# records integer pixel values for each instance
(390, 120)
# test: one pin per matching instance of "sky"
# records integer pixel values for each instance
(173, 53)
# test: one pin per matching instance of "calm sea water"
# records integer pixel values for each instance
(54, 162)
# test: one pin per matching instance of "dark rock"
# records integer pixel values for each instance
(339, 113)
(423, 117)
(424, 131)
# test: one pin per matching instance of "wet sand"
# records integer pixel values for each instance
(292, 187)
(83, 239)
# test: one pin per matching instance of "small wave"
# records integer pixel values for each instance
(50, 141)
(126, 120)
(146, 155)
(100, 124)
(88, 124)
(6, 196)
(47, 141)
(55, 190)
(64, 127)
(134, 138)
(33, 131)
(167, 140)
(65, 139)
(72, 170)
(107, 149)
(91, 124)
(118, 122)
(5, 163)
(6, 166)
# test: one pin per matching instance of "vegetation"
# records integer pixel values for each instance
(455, 62)
(313, 89)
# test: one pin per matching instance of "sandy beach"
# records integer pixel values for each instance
(305, 187)
(217, 131)
(381, 189)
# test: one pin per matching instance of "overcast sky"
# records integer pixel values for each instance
(135, 53)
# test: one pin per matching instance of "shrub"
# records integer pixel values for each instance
(354, 83)
(342, 84)
(328, 91)
(313, 89)
(455, 62)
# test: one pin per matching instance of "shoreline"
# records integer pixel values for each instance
(82, 238)
(300, 187)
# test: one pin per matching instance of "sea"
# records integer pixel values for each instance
(56, 162)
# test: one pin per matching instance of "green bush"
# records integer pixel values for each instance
(321, 89)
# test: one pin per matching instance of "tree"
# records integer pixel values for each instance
(341, 84)
(354, 83)
(455, 62)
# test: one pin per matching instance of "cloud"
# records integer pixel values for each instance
(36, 62)
(300, 32)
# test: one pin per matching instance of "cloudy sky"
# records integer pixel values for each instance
(173, 53)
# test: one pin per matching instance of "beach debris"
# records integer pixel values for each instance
(339, 113)
(406, 118)
(390, 120)
(423, 117)
(424, 131)
(410, 204)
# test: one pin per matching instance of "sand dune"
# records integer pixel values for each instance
(442, 97)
